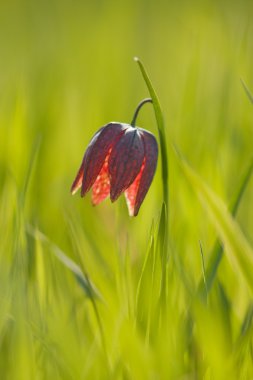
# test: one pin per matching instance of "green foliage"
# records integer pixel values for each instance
(236, 245)
(88, 292)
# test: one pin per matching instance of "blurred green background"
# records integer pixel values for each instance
(66, 69)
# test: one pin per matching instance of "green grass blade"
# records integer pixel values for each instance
(248, 93)
(243, 342)
(217, 251)
(161, 235)
(203, 267)
(163, 228)
(144, 298)
(81, 277)
(247, 324)
(161, 248)
(161, 131)
(238, 249)
(31, 166)
(224, 307)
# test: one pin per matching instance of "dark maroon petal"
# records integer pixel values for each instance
(131, 191)
(97, 151)
(78, 181)
(150, 162)
(101, 187)
(125, 161)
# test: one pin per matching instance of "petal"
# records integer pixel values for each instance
(132, 190)
(101, 187)
(136, 193)
(79, 177)
(125, 161)
(78, 181)
(95, 155)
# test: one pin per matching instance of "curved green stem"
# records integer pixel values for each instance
(163, 232)
(161, 131)
(144, 101)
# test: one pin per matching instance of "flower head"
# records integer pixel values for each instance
(119, 159)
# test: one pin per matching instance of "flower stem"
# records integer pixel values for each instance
(147, 100)
(163, 232)
(162, 135)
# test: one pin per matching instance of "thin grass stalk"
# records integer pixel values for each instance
(161, 131)
(217, 251)
(164, 222)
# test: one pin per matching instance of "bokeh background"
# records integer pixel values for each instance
(66, 69)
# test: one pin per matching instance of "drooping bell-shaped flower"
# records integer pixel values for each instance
(120, 158)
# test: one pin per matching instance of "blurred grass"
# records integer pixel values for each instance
(66, 69)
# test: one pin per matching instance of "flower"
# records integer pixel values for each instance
(119, 159)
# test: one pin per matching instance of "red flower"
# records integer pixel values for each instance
(120, 158)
